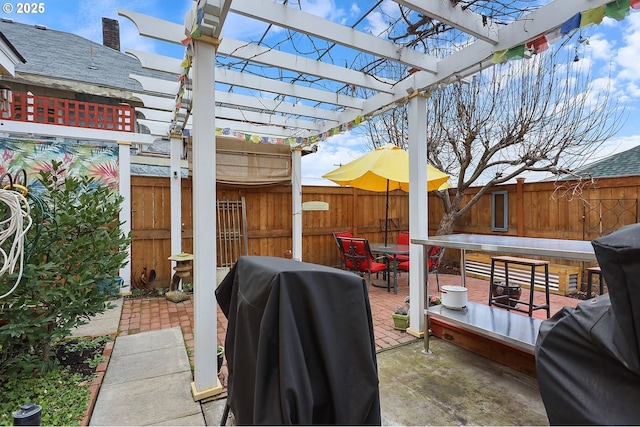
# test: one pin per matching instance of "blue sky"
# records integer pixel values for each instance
(612, 55)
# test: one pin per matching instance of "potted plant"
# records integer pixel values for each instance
(401, 317)
(220, 354)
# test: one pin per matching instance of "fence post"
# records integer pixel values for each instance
(520, 206)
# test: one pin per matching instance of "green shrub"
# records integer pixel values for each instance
(75, 252)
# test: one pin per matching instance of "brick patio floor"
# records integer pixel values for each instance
(148, 314)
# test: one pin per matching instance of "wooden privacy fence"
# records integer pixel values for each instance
(532, 210)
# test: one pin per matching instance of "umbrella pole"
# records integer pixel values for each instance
(386, 217)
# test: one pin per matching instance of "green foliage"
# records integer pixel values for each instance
(187, 286)
(78, 346)
(64, 397)
(70, 270)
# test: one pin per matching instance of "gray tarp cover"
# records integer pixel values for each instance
(299, 345)
(588, 357)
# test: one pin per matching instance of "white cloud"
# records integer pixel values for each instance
(600, 48)
(376, 24)
(355, 10)
(627, 56)
(323, 8)
(615, 146)
(336, 151)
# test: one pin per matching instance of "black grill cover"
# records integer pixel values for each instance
(588, 357)
(299, 345)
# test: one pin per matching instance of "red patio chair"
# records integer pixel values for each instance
(336, 236)
(358, 257)
(434, 253)
(403, 239)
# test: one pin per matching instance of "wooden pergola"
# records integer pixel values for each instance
(286, 92)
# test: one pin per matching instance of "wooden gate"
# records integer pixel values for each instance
(231, 229)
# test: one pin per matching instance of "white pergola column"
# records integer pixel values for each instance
(206, 381)
(176, 195)
(124, 163)
(418, 224)
(296, 202)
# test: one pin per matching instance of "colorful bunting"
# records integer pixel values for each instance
(592, 16)
(499, 56)
(617, 10)
(538, 45)
(571, 24)
(554, 36)
(515, 52)
(197, 32)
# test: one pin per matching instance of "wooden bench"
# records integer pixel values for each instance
(563, 279)
(510, 303)
(502, 336)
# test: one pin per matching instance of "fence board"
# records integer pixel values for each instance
(269, 217)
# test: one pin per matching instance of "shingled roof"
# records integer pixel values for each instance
(626, 163)
(60, 55)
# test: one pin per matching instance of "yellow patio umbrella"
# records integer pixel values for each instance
(383, 169)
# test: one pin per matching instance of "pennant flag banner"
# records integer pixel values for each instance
(197, 32)
(313, 139)
(617, 9)
(592, 16)
(515, 52)
(498, 56)
(571, 24)
(538, 45)
(554, 36)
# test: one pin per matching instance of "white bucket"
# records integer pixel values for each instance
(454, 297)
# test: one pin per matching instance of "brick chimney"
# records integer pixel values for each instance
(111, 33)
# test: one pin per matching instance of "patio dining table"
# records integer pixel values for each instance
(392, 250)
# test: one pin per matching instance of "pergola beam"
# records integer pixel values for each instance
(287, 61)
(451, 14)
(306, 23)
(233, 78)
(31, 128)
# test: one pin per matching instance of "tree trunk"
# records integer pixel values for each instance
(446, 224)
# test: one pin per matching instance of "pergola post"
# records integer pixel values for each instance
(296, 202)
(418, 211)
(176, 194)
(124, 162)
(206, 381)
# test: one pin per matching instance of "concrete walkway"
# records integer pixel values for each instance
(148, 383)
(148, 378)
